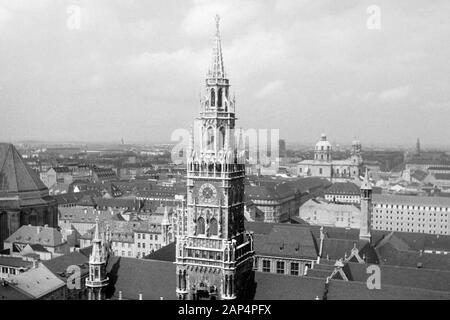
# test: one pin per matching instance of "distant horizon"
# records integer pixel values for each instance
(425, 148)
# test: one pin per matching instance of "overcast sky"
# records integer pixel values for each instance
(135, 68)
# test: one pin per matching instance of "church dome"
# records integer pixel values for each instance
(323, 144)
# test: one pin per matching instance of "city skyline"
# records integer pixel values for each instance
(314, 195)
(83, 79)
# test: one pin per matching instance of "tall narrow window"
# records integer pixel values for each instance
(266, 266)
(219, 98)
(210, 138)
(222, 137)
(200, 226)
(213, 98)
(294, 268)
(280, 267)
(213, 227)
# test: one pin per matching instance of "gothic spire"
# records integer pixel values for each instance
(165, 221)
(217, 70)
(98, 254)
(366, 185)
(96, 232)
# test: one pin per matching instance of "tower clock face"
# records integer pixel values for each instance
(207, 193)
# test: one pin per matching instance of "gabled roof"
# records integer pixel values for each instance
(59, 266)
(340, 248)
(16, 262)
(36, 282)
(287, 241)
(153, 279)
(436, 280)
(391, 253)
(271, 286)
(46, 236)
(346, 188)
(166, 253)
(353, 290)
(419, 175)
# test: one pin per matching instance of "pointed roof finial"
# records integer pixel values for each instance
(165, 221)
(96, 232)
(217, 24)
(217, 70)
(366, 185)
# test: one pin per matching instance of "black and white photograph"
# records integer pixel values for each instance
(242, 151)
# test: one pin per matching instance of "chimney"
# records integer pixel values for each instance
(140, 296)
(120, 295)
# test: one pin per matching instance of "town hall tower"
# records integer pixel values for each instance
(215, 253)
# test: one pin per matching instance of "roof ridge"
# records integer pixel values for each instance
(14, 168)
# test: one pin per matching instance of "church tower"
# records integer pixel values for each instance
(214, 254)
(97, 280)
(366, 209)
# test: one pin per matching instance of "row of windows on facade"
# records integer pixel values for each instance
(10, 271)
(143, 236)
(409, 230)
(411, 213)
(280, 267)
(411, 219)
(342, 196)
(203, 254)
(215, 167)
(413, 224)
(409, 207)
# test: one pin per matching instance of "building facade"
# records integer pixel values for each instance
(214, 253)
(419, 214)
(343, 192)
(322, 213)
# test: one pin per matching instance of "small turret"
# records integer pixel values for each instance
(97, 280)
(366, 209)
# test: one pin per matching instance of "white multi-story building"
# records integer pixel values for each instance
(322, 213)
(411, 214)
(343, 192)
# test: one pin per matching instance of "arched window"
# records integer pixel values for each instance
(210, 138)
(219, 98)
(213, 227)
(222, 137)
(200, 226)
(213, 97)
